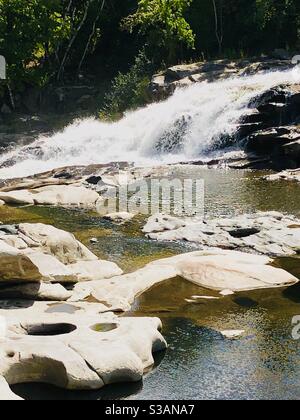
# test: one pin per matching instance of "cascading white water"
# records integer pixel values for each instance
(182, 128)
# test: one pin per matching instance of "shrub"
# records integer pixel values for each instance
(129, 90)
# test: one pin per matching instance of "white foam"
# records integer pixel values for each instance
(196, 117)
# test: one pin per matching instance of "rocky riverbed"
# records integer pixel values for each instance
(63, 296)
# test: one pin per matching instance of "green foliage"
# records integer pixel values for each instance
(164, 22)
(59, 40)
(128, 90)
(29, 32)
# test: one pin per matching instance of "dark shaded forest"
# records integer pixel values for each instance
(122, 42)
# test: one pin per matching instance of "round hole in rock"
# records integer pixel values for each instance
(50, 329)
(104, 327)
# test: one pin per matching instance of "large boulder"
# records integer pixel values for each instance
(59, 243)
(212, 269)
(233, 271)
(275, 142)
(42, 253)
(80, 351)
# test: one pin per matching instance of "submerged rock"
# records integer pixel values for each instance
(120, 218)
(269, 233)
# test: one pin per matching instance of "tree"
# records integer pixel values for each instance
(219, 29)
(164, 23)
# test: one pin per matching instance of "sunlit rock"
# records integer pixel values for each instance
(213, 269)
(80, 351)
(42, 253)
(269, 233)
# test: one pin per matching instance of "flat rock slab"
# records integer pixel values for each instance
(269, 233)
(80, 351)
(57, 195)
(213, 269)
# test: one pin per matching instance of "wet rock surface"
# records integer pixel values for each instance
(165, 83)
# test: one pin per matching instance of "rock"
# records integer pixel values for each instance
(65, 196)
(285, 176)
(163, 84)
(219, 270)
(42, 253)
(226, 292)
(6, 393)
(264, 233)
(80, 351)
(233, 334)
(272, 141)
(163, 222)
(14, 265)
(49, 268)
(56, 242)
(17, 197)
(212, 269)
(36, 291)
(2, 203)
(292, 150)
(119, 293)
(120, 218)
(94, 270)
(93, 240)
(58, 195)
(9, 229)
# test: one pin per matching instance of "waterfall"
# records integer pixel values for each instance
(189, 125)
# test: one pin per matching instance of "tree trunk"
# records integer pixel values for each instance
(90, 37)
(219, 25)
(64, 60)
